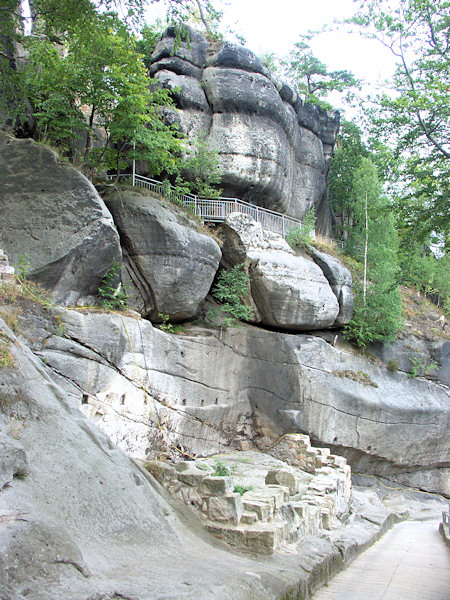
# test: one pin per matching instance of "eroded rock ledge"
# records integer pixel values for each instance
(246, 390)
(274, 150)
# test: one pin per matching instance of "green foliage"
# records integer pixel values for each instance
(199, 170)
(231, 286)
(419, 366)
(412, 120)
(349, 152)
(393, 366)
(111, 292)
(6, 358)
(23, 266)
(241, 489)
(302, 235)
(150, 35)
(373, 241)
(270, 60)
(310, 76)
(221, 469)
(428, 273)
(165, 324)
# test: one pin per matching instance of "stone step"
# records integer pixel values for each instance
(263, 510)
(248, 518)
(261, 538)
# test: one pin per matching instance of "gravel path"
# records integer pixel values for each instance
(411, 562)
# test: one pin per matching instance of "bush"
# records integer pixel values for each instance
(111, 292)
(302, 235)
(231, 286)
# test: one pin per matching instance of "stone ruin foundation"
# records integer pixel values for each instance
(263, 502)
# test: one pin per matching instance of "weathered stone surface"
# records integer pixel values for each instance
(273, 150)
(411, 353)
(168, 266)
(288, 290)
(283, 477)
(281, 383)
(87, 522)
(13, 460)
(215, 486)
(340, 280)
(225, 509)
(53, 216)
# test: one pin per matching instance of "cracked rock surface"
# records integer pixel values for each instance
(273, 149)
(246, 389)
(84, 521)
(53, 218)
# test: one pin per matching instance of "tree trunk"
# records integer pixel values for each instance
(366, 245)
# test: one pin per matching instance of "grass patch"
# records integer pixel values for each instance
(358, 376)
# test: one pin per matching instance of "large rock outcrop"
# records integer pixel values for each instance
(273, 149)
(80, 520)
(168, 265)
(288, 290)
(246, 389)
(53, 217)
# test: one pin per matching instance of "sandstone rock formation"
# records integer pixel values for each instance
(247, 389)
(54, 218)
(80, 520)
(287, 290)
(168, 266)
(274, 150)
(262, 504)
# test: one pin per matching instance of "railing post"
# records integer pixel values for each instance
(235, 205)
(195, 204)
(283, 226)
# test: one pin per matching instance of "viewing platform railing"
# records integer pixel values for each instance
(217, 209)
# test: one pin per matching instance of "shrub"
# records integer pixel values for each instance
(221, 469)
(231, 286)
(302, 235)
(111, 292)
(392, 365)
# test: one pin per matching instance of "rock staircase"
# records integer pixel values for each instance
(263, 504)
(6, 272)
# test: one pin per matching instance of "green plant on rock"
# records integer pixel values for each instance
(241, 489)
(419, 366)
(23, 266)
(221, 469)
(392, 365)
(231, 286)
(165, 325)
(297, 236)
(111, 292)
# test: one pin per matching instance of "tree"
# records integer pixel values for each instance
(414, 118)
(99, 83)
(373, 242)
(199, 170)
(350, 149)
(310, 76)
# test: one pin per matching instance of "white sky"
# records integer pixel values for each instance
(274, 26)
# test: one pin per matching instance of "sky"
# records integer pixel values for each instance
(274, 26)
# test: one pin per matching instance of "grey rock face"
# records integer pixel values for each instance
(87, 522)
(52, 215)
(426, 358)
(253, 387)
(168, 266)
(273, 150)
(340, 280)
(287, 290)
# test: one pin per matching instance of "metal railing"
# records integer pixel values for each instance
(217, 210)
